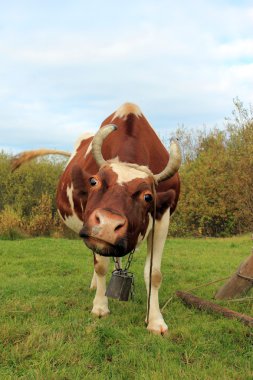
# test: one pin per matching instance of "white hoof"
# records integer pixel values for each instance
(100, 309)
(158, 327)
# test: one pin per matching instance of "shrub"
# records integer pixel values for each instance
(10, 224)
(41, 221)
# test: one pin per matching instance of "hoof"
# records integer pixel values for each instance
(158, 327)
(100, 311)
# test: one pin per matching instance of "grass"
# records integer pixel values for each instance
(47, 331)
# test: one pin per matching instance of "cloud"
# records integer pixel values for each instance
(239, 49)
(64, 69)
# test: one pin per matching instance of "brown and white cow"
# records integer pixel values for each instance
(106, 194)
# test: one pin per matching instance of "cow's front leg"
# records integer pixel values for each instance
(156, 322)
(100, 302)
(93, 284)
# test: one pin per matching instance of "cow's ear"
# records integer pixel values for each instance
(165, 200)
(80, 179)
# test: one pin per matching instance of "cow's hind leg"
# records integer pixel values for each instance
(100, 302)
(156, 322)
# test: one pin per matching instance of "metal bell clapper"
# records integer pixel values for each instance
(120, 285)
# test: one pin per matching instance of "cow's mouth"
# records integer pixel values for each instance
(104, 248)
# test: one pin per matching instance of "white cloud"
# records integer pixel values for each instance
(62, 71)
(236, 49)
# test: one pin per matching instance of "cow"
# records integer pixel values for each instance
(112, 183)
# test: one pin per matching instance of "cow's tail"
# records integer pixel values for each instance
(29, 155)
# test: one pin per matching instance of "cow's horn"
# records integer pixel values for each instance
(173, 164)
(98, 141)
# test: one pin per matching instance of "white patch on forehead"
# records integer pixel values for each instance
(126, 109)
(126, 173)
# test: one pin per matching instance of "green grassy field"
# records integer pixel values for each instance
(47, 331)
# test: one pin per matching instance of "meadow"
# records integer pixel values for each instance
(48, 332)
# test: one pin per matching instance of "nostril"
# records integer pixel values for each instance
(97, 218)
(118, 227)
(83, 233)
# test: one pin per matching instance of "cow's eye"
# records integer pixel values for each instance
(148, 198)
(93, 181)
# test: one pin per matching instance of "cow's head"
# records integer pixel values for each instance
(119, 199)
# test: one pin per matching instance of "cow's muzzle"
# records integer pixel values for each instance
(107, 225)
(105, 233)
(103, 247)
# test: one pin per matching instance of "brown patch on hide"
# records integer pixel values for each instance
(100, 269)
(156, 278)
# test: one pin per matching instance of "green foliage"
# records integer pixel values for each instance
(10, 224)
(31, 181)
(48, 332)
(240, 151)
(217, 180)
(41, 221)
(29, 195)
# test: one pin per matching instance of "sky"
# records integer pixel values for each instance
(67, 65)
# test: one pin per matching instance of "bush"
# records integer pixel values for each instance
(10, 224)
(41, 221)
